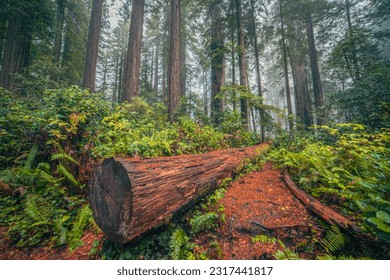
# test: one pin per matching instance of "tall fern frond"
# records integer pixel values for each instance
(31, 157)
(62, 170)
(203, 222)
(334, 240)
(81, 222)
(64, 157)
(179, 240)
(34, 208)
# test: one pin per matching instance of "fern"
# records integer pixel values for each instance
(180, 246)
(62, 170)
(334, 240)
(60, 230)
(264, 239)
(286, 254)
(31, 157)
(203, 222)
(63, 157)
(81, 222)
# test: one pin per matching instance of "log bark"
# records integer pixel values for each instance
(322, 211)
(130, 196)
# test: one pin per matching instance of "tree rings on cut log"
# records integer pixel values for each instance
(112, 206)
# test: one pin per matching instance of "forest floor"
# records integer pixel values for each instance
(261, 204)
(258, 203)
(253, 205)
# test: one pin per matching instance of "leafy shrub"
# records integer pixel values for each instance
(352, 169)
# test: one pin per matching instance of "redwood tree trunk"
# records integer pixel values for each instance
(285, 69)
(217, 62)
(315, 71)
(299, 72)
(258, 73)
(130, 196)
(133, 61)
(17, 48)
(93, 45)
(174, 63)
(242, 63)
(59, 29)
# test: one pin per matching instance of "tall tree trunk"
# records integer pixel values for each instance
(156, 66)
(233, 27)
(89, 79)
(217, 62)
(302, 97)
(205, 95)
(174, 63)
(183, 53)
(133, 61)
(59, 29)
(242, 63)
(115, 89)
(258, 73)
(17, 48)
(315, 72)
(285, 69)
(351, 37)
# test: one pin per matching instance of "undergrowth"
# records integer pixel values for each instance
(49, 144)
(344, 165)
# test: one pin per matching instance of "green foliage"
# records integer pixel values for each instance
(181, 248)
(349, 166)
(285, 253)
(151, 246)
(366, 98)
(334, 240)
(136, 129)
(264, 239)
(202, 222)
(82, 220)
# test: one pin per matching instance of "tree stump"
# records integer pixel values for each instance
(130, 196)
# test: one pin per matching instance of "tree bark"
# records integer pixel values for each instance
(299, 73)
(315, 71)
(217, 62)
(17, 47)
(130, 196)
(174, 63)
(59, 29)
(285, 69)
(242, 63)
(258, 73)
(133, 61)
(322, 211)
(93, 45)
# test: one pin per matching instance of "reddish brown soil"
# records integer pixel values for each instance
(9, 252)
(260, 198)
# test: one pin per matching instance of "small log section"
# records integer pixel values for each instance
(322, 211)
(130, 196)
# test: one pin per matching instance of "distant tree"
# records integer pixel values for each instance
(217, 61)
(133, 61)
(174, 62)
(242, 61)
(22, 19)
(93, 45)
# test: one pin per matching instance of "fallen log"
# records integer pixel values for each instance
(322, 211)
(130, 196)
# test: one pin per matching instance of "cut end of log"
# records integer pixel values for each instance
(110, 196)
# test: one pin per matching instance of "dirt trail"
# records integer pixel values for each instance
(260, 203)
